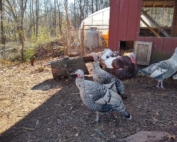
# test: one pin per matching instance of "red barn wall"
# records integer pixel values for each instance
(124, 25)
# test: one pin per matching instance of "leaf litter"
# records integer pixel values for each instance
(56, 113)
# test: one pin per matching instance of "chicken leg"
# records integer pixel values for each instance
(160, 84)
(97, 117)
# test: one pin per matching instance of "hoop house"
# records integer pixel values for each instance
(100, 20)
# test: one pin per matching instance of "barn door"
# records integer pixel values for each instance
(142, 52)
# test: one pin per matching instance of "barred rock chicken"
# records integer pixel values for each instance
(108, 80)
(98, 98)
(162, 70)
(122, 67)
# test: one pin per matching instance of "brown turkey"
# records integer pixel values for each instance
(122, 67)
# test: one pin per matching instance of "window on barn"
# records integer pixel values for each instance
(157, 19)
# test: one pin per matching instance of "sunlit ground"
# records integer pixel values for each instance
(17, 99)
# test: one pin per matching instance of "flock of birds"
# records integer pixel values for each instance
(106, 92)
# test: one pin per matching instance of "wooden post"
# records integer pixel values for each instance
(174, 24)
(82, 40)
(53, 49)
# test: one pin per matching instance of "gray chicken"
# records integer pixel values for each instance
(106, 79)
(162, 70)
(98, 98)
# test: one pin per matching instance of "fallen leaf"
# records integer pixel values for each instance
(30, 129)
(156, 113)
(99, 132)
(77, 129)
(170, 137)
(154, 119)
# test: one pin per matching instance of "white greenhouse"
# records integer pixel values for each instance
(100, 20)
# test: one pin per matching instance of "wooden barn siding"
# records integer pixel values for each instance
(113, 24)
(124, 25)
(174, 44)
(124, 21)
(162, 48)
(133, 20)
(157, 44)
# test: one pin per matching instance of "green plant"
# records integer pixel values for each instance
(61, 50)
(28, 53)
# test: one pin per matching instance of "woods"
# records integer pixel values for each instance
(2, 25)
(29, 23)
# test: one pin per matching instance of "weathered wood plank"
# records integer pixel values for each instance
(133, 20)
(113, 24)
(155, 23)
(124, 19)
(152, 30)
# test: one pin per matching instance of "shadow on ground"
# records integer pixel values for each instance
(46, 85)
(64, 118)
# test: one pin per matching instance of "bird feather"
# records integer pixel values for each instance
(109, 81)
(159, 71)
(108, 62)
(97, 97)
(175, 77)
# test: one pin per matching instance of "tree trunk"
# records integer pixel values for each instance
(54, 19)
(92, 7)
(34, 20)
(20, 29)
(74, 13)
(19, 21)
(2, 24)
(37, 16)
(96, 5)
(66, 66)
(31, 22)
(59, 16)
(68, 27)
(60, 22)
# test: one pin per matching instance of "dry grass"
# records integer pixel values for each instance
(16, 95)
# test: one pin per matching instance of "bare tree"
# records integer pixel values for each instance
(19, 21)
(2, 24)
(96, 5)
(37, 17)
(25, 18)
(31, 19)
(54, 19)
(80, 9)
(60, 15)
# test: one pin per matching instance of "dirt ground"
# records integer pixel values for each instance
(35, 108)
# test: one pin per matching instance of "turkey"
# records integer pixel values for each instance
(98, 98)
(103, 77)
(122, 67)
(162, 70)
(175, 77)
